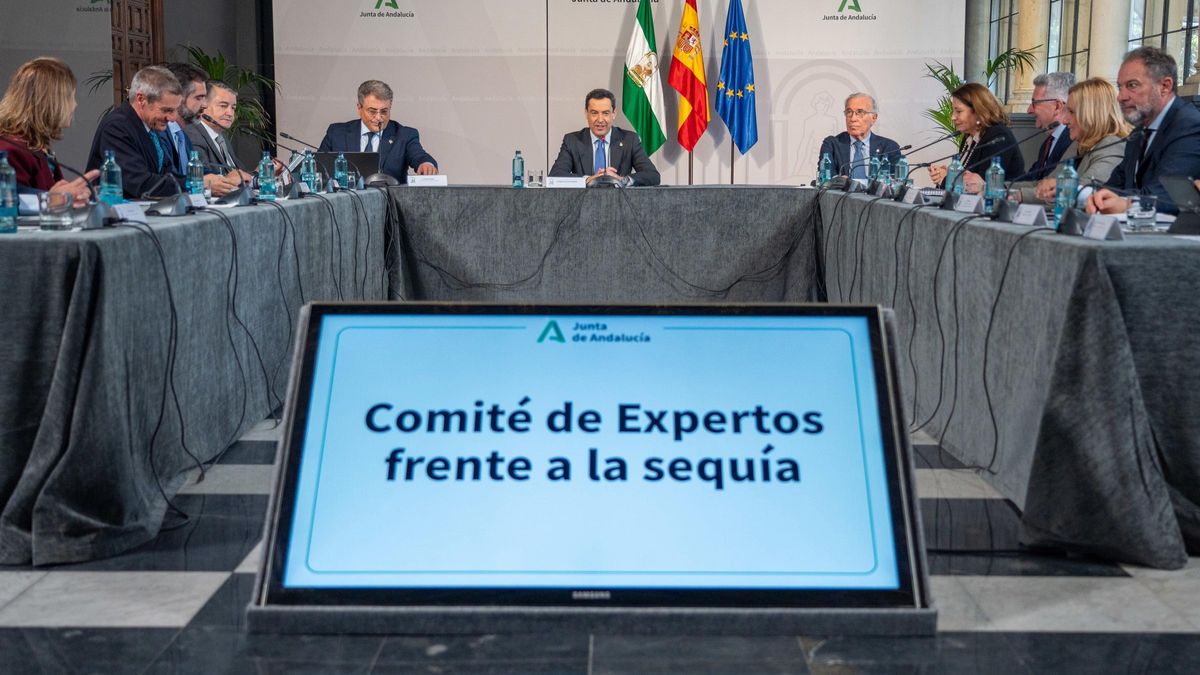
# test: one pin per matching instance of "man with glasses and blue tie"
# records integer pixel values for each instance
(602, 149)
(852, 150)
(399, 147)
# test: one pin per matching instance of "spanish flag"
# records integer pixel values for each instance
(687, 78)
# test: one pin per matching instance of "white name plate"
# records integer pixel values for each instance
(912, 196)
(1103, 228)
(440, 180)
(1033, 215)
(568, 182)
(198, 201)
(969, 204)
(129, 212)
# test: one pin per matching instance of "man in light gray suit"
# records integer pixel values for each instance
(602, 149)
(207, 133)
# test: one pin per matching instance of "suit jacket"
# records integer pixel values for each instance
(997, 139)
(33, 168)
(627, 157)
(842, 154)
(1095, 165)
(123, 132)
(399, 147)
(1043, 169)
(207, 147)
(1174, 152)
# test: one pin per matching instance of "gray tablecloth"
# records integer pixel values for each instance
(1092, 365)
(710, 244)
(92, 431)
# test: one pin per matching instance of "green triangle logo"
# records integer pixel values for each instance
(392, 4)
(853, 5)
(552, 333)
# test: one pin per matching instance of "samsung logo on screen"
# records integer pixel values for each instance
(591, 595)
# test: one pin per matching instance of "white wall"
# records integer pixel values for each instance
(481, 78)
(76, 31)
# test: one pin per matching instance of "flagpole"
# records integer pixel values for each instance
(731, 161)
(689, 167)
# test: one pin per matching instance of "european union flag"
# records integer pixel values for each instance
(736, 89)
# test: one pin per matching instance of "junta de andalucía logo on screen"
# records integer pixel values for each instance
(590, 331)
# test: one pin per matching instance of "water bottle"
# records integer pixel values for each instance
(8, 196)
(993, 189)
(195, 173)
(901, 173)
(952, 173)
(874, 174)
(518, 170)
(1066, 186)
(111, 189)
(308, 170)
(341, 171)
(266, 178)
(825, 169)
(885, 171)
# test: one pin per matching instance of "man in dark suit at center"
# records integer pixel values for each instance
(602, 149)
(852, 150)
(399, 147)
(133, 131)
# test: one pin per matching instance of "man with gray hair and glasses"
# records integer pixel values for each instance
(853, 149)
(399, 147)
(133, 131)
(1166, 136)
(1047, 107)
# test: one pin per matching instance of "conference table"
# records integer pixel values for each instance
(114, 388)
(1066, 370)
(134, 353)
(1084, 419)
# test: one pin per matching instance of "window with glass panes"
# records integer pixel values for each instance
(1070, 26)
(1170, 25)
(1002, 31)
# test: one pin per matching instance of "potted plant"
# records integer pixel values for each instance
(1008, 60)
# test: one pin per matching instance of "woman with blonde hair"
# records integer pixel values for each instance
(1098, 132)
(38, 104)
(984, 126)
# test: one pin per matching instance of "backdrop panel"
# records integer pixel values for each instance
(480, 79)
(469, 75)
(76, 31)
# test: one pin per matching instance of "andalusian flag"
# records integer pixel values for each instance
(687, 78)
(643, 99)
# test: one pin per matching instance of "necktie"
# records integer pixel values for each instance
(158, 150)
(369, 142)
(181, 151)
(1044, 156)
(1142, 163)
(601, 160)
(226, 156)
(858, 164)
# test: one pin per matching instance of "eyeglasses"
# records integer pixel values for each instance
(857, 113)
(1043, 100)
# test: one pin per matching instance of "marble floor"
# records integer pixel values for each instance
(176, 605)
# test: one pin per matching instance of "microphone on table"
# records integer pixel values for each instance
(96, 214)
(379, 178)
(953, 134)
(178, 204)
(879, 187)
